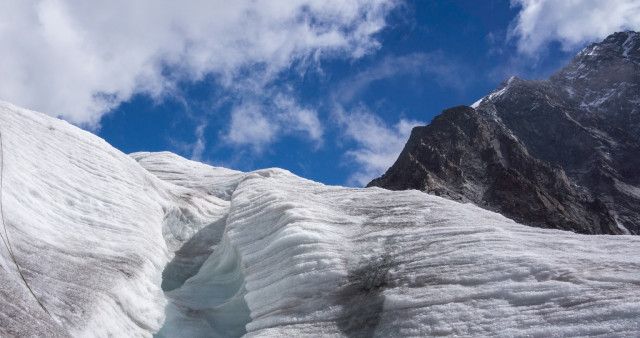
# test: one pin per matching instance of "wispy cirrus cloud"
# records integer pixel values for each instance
(78, 59)
(436, 66)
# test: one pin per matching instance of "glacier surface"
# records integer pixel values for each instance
(153, 244)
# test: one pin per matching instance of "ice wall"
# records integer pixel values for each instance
(322, 260)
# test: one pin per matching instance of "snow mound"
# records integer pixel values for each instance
(117, 245)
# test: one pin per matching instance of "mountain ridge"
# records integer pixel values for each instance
(556, 153)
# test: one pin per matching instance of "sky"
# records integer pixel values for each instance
(328, 90)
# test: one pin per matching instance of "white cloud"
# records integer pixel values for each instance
(78, 59)
(259, 124)
(249, 126)
(195, 149)
(297, 119)
(200, 145)
(570, 22)
(378, 144)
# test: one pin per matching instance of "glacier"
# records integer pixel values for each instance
(152, 244)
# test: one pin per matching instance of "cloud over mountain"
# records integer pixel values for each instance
(572, 23)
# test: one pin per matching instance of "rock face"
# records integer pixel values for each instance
(559, 153)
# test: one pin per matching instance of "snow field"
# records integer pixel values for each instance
(155, 244)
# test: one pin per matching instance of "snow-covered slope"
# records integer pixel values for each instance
(90, 230)
(156, 244)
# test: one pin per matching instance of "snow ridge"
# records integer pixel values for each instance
(154, 244)
(497, 93)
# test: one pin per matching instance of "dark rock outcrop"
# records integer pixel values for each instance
(559, 153)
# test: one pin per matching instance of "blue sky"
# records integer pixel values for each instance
(326, 89)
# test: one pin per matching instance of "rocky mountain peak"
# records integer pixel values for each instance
(618, 45)
(604, 80)
(559, 153)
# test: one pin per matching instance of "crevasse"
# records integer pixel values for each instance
(211, 302)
